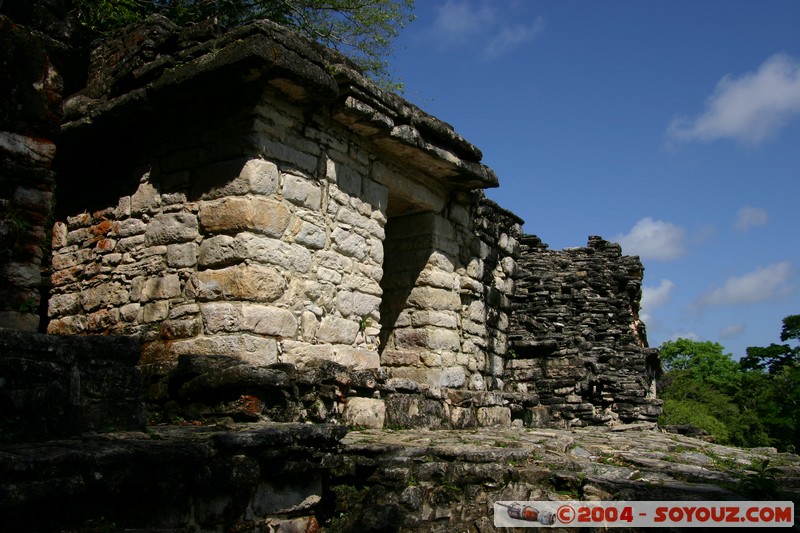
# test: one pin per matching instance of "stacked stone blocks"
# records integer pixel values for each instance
(228, 274)
(31, 86)
(576, 337)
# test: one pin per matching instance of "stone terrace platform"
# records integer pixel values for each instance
(299, 477)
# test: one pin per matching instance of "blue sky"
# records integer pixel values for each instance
(672, 128)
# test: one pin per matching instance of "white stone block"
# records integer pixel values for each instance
(356, 358)
(292, 257)
(337, 330)
(182, 255)
(161, 288)
(269, 320)
(146, 199)
(171, 228)
(302, 191)
(310, 235)
(261, 176)
(364, 412)
(452, 377)
(222, 317)
(494, 416)
(220, 250)
(349, 243)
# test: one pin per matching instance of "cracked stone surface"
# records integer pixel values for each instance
(624, 462)
(242, 477)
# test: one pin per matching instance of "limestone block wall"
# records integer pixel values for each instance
(290, 258)
(280, 260)
(277, 213)
(447, 282)
(492, 261)
(576, 340)
(420, 314)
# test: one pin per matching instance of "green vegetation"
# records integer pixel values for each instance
(361, 29)
(446, 493)
(753, 402)
(761, 483)
(29, 306)
(348, 499)
(105, 15)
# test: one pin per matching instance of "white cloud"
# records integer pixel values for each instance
(763, 284)
(457, 22)
(461, 23)
(653, 298)
(749, 108)
(511, 37)
(749, 217)
(691, 335)
(654, 239)
(731, 331)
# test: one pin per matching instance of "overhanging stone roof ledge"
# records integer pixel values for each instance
(156, 62)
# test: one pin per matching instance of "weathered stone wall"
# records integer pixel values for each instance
(447, 282)
(31, 84)
(273, 228)
(304, 215)
(54, 387)
(576, 338)
(279, 262)
(499, 232)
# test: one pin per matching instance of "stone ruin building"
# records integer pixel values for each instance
(282, 239)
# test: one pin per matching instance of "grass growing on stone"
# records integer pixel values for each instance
(348, 495)
(760, 482)
(348, 498)
(727, 464)
(446, 493)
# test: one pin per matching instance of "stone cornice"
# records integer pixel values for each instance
(144, 66)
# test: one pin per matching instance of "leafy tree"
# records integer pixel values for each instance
(682, 412)
(700, 387)
(690, 400)
(776, 357)
(777, 400)
(361, 29)
(705, 362)
(106, 15)
(755, 402)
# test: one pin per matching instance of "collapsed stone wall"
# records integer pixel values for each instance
(576, 338)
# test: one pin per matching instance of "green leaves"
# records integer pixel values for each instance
(679, 412)
(753, 402)
(705, 361)
(363, 30)
(776, 357)
(105, 15)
